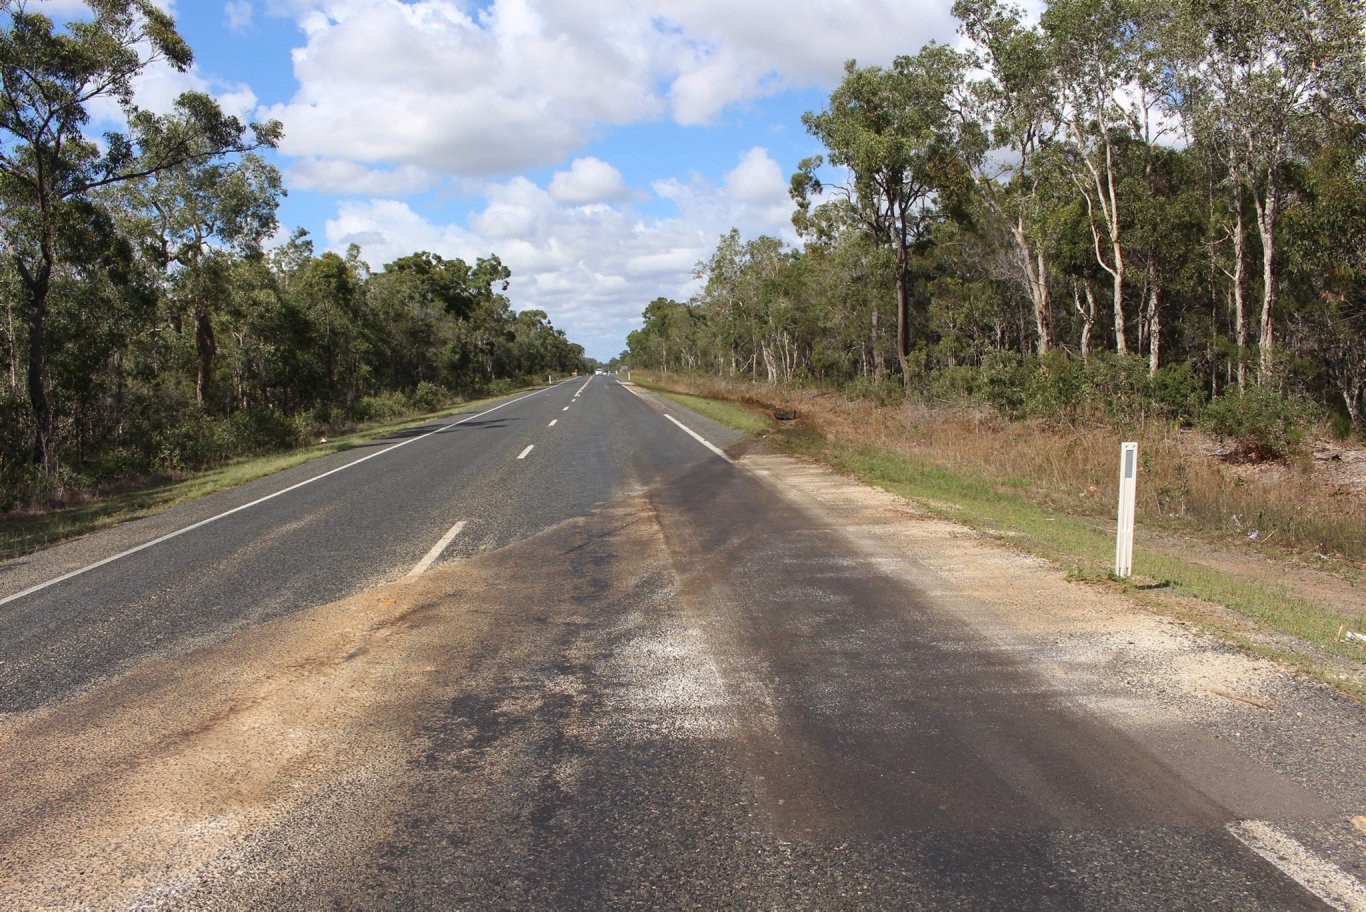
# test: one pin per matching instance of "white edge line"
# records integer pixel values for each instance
(1325, 880)
(700, 439)
(426, 562)
(523, 454)
(294, 487)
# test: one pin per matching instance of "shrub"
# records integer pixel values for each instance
(1004, 377)
(382, 407)
(1178, 393)
(428, 397)
(1262, 423)
(956, 385)
(255, 431)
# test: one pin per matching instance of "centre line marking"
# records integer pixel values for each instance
(1325, 880)
(700, 439)
(260, 500)
(553, 423)
(426, 562)
(565, 409)
(522, 455)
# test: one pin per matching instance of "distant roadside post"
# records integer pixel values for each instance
(1128, 489)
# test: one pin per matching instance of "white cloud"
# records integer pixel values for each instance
(157, 89)
(61, 7)
(525, 83)
(757, 178)
(239, 14)
(426, 84)
(387, 230)
(588, 180)
(332, 175)
(593, 267)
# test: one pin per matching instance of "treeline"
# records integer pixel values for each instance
(145, 327)
(1149, 201)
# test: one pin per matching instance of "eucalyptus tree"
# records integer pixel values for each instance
(1255, 79)
(1015, 105)
(1107, 82)
(50, 76)
(1326, 264)
(719, 298)
(898, 135)
(197, 216)
(668, 337)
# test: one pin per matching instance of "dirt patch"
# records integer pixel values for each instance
(117, 798)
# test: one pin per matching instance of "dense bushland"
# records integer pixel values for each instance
(1129, 209)
(145, 329)
(305, 346)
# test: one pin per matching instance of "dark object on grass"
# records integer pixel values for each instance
(785, 414)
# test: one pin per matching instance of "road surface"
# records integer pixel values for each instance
(578, 651)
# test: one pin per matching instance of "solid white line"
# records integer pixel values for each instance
(212, 519)
(699, 438)
(426, 562)
(522, 455)
(1325, 880)
(553, 423)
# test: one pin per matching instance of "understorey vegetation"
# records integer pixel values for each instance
(1122, 211)
(146, 329)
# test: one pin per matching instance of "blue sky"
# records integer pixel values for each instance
(599, 148)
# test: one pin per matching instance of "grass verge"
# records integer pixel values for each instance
(24, 533)
(732, 414)
(1257, 614)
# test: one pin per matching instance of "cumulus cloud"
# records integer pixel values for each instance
(330, 174)
(760, 184)
(588, 180)
(426, 84)
(593, 267)
(525, 83)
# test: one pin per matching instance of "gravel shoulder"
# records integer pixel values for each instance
(1142, 670)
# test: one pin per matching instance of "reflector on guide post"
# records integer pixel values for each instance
(1128, 489)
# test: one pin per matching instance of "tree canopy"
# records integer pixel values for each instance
(1167, 186)
(146, 328)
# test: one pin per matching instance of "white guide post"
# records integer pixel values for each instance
(1128, 488)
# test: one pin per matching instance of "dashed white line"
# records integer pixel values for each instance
(565, 409)
(1325, 880)
(522, 455)
(553, 423)
(260, 500)
(700, 439)
(437, 549)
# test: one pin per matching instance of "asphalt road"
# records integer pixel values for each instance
(359, 519)
(633, 676)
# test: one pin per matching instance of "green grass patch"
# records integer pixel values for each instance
(732, 414)
(24, 533)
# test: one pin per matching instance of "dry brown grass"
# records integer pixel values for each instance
(1185, 482)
